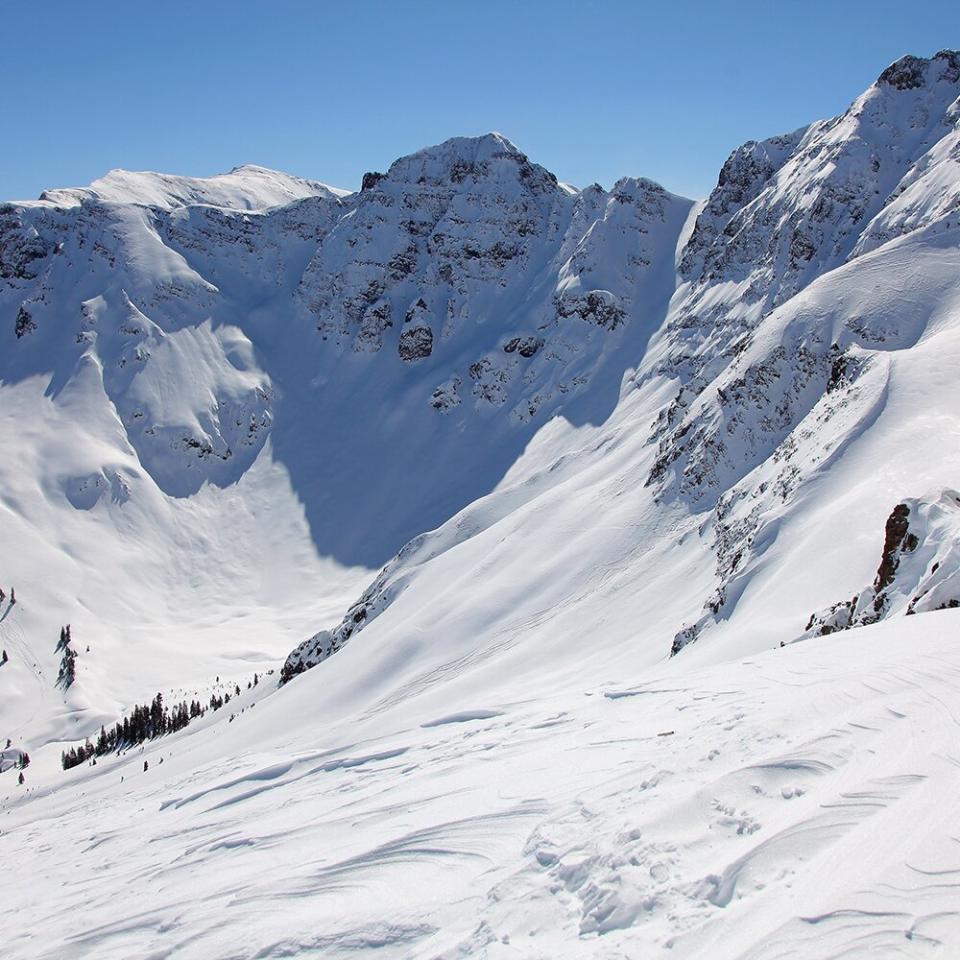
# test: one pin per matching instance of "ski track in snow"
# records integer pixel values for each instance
(803, 803)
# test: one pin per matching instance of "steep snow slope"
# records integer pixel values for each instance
(800, 803)
(244, 409)
(791, 381)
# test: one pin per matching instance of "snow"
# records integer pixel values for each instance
(539, 488)
(801, 802)
(246, 187)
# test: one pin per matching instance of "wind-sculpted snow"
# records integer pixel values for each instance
(706, 814)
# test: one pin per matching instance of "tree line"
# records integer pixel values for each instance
(145, 722)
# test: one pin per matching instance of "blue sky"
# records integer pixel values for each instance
(593, 90)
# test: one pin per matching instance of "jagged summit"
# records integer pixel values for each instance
(911, 72)
(490, 158)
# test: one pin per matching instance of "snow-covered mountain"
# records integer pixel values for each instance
(360, 366)
(497, 443)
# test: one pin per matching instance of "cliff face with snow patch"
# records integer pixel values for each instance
(440, 353)
(467, 255)
(919, 568)
(818, 255)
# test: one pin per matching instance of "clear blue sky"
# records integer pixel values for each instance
(593, 90)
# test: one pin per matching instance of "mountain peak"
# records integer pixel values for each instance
(490, 156)
(247, 187)
(478, 147)
(911, 72)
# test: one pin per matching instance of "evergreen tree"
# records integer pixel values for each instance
(143, 722)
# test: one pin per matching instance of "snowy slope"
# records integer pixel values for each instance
(207, 438)
(800, 803)
(780, 371)
(247, 187)
(512, 451)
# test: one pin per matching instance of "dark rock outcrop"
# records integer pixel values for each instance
(415, 344)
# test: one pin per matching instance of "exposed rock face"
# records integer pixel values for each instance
(919, 567)
(25, 323)
(909, 73)
(416, 343)
(760, 365)
(22, 249)
(897, 540)
(599, 307)
(766, 380)
(526, 347)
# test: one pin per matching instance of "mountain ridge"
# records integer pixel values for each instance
(577, 497)
(457, 333)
